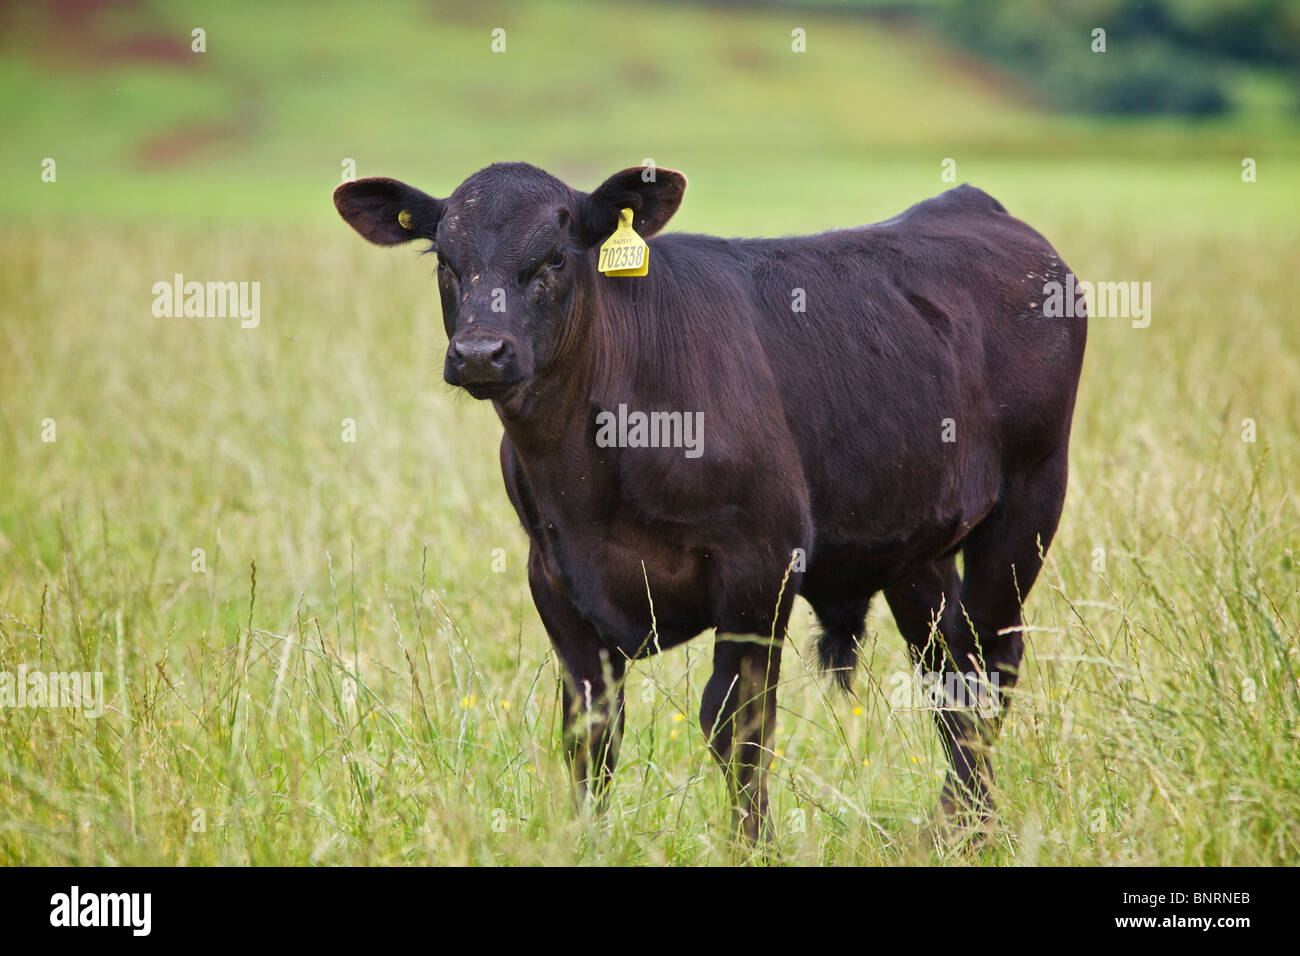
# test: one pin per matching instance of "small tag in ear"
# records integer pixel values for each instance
(624, 253)
(404, 219)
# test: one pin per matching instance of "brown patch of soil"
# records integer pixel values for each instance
(75, 31)
(185, 142)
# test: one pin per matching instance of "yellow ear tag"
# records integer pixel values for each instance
(404, 219)
(624, 253)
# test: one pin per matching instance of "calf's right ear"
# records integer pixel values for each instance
(388, 212)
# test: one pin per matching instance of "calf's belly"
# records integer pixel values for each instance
(641, 596)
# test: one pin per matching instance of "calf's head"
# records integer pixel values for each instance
(516, 259)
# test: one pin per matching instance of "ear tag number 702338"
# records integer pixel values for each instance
(624, 253)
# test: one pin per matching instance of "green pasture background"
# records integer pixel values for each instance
(379, 689)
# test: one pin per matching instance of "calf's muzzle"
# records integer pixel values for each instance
(482, 359)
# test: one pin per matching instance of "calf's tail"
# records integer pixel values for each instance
(838, 655)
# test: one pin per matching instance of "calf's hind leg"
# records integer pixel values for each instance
(1003, 556)
(978, 660)
(926, 607)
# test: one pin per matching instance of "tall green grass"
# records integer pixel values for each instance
(359, 676)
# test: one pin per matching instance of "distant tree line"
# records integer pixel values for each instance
(1161, 56)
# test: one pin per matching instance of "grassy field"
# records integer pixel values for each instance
(324, 651)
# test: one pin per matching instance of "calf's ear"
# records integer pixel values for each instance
(652, 194)
(388, 212)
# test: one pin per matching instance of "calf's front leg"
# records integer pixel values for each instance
(592, 694)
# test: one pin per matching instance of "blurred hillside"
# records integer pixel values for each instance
(260, 125)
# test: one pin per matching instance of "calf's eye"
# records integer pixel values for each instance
(552, 263)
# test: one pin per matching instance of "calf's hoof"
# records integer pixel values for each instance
(965, 815)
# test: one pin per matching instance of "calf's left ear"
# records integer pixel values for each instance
(652, 194)
(388, 212)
